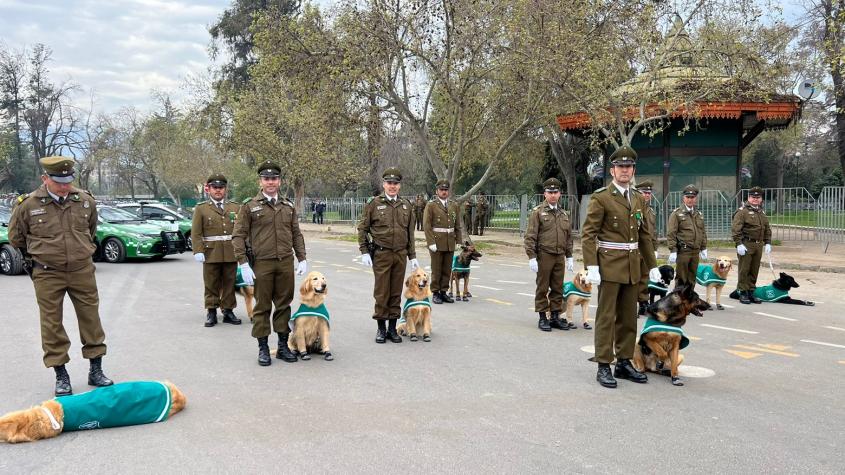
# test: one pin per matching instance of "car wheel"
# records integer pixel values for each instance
(11, 261)
(114, 251)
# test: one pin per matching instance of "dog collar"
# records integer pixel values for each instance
(53, 421)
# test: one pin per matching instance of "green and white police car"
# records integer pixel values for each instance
(163, 214)
(122, 235)
(11, 260)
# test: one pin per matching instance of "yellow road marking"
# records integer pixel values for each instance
(774, 347)
(500, 302)
(765, 350)
(842, 362)
(744, 354)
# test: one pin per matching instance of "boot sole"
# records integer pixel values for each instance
(261, 363)
(608, 385)
(619, 376)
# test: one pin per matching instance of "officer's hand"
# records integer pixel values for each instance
(673, 257)
(656, 255)
(593, 275)
(767, 248)
(741, 249)
(366, 260)
(199, 257)
(532, 264)
(433, 248)
(247, 274)
(414, 264)
(301, 267)
(654, 275)
(570, 264)
(703, 254)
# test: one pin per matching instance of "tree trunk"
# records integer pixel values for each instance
(298, 194)
(374, 139)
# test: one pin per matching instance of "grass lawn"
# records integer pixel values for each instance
(809, 219)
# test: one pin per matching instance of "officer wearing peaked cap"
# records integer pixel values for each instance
(211, 235)
(269, 222)
(386, 241)
(443, 231)
(55, 228)
(752, 235)
(614, 239)
(686, 238)
(646, 189)
(548, 244)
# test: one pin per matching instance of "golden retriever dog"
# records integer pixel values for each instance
(416, 314)
(109, 404)
(248, 293)
(579, 293)
(310, 323)
(714, 277)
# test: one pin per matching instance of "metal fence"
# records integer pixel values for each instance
(716, 207)
(831, 215)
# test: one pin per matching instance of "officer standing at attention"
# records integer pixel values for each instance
(419, 209)
(613, 239)
(548, 243)
(270, 223)
(646, 189)
(480, 219)
(752, 235)
(387, 224)
(54, 227)
(686, 238)
(211, 236)
(442, 228)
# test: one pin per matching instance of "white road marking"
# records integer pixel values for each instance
(589, 349)
(823, 343)
(727, 306)
(695, 372)
(485, 287)
(527, 295)
(511, 282)
(509, 265)
(729, 329)
(776, 316)
(837, 328)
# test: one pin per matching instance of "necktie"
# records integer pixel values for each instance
(220, 205)
(272, 201)
(61, 200)
(626, 197)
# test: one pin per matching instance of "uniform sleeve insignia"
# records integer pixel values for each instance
(245, 201)
(22, 197)
(600, 189)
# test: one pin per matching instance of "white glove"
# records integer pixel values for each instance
(741, 249)
(656, 255)
(767, 248)
(199, 257)
(593, 275)
(703, 254)
(570, 264)
(532, 264)
(673, 257)
(247, 274)
(366, 260)
(301, 267)
(433, 248)
(414, 264)
(654, 275)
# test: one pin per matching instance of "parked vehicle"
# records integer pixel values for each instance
(11, 260)
(163, 214)
(122, 235)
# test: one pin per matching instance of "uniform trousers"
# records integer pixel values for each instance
(441, 270)
(749, 265)
(389, 273)
(548, 293)
(219, 281)
(686, 267)
(616, 321)
(273, 288)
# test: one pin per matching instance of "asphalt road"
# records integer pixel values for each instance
(490, 393)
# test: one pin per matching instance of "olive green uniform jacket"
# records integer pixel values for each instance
(273, 231)
(685, 230)
(391, 225)
(442, 225)
(212, 230)
(549, 231)
(750, 224)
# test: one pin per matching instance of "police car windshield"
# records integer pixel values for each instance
(176, 211)
(5, 215)
(116, 215)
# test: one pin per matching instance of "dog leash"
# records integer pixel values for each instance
(772, 267)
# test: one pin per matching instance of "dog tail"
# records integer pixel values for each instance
(177, 398)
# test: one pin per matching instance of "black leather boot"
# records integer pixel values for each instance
(543, 323)
(641, 310)
(743, 297)
(604, 377)
(446, 298)
(63, 387)
(392, 334)
(284, 353)
(435, 297)
(95, 373)
(625, 370)
(557, 322)
(211, 317)
(263, 352)
(229, 317)
(381, 334)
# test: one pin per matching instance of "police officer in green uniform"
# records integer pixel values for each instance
(614, 238)
(752, 235)
(211, 236)
(270, 223)
(646, 189)
(55, 227)
(442, 227)
(548, 243)
(419, 209)
(686, 238)
(468, 206)
(480, 218)
(387, 224)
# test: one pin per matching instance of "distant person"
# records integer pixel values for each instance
(686, 238)
(320, 208)
(480, 218)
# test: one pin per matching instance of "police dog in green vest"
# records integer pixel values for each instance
(579, 291)
(714, 277)
(122, 404)
(310, 323)
(778, 291)
(662, 336)
(460, 271)
(416, 313)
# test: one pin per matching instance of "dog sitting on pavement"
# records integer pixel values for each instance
(121, 404)
(460, 271)
(714, 277)
(310, 324)
(416, 313)
(777, 291)
(578, 291)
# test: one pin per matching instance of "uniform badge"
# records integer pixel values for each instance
(38, 211)
(381, 207)
(544, 214)
(404, 207)
(751, 212)
(86, 205)
(255, 208)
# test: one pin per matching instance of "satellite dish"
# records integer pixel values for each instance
(808, 90)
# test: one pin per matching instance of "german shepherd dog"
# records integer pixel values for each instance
(416, 318)
(47, 420)
(465, 258)
(720, 269)
(778, 291)
(582, 285)
(657, 349)
(310, 333)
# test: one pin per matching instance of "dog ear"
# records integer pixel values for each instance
(306, 288)
(409, 281)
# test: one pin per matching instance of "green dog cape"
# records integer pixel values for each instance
(410, 303)
(659, 288)
(121, 404)
(456, 267)
(570, 289)
(306, 311)
(652, 325)
(769, 293)
(705, 276)
(239, 279)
